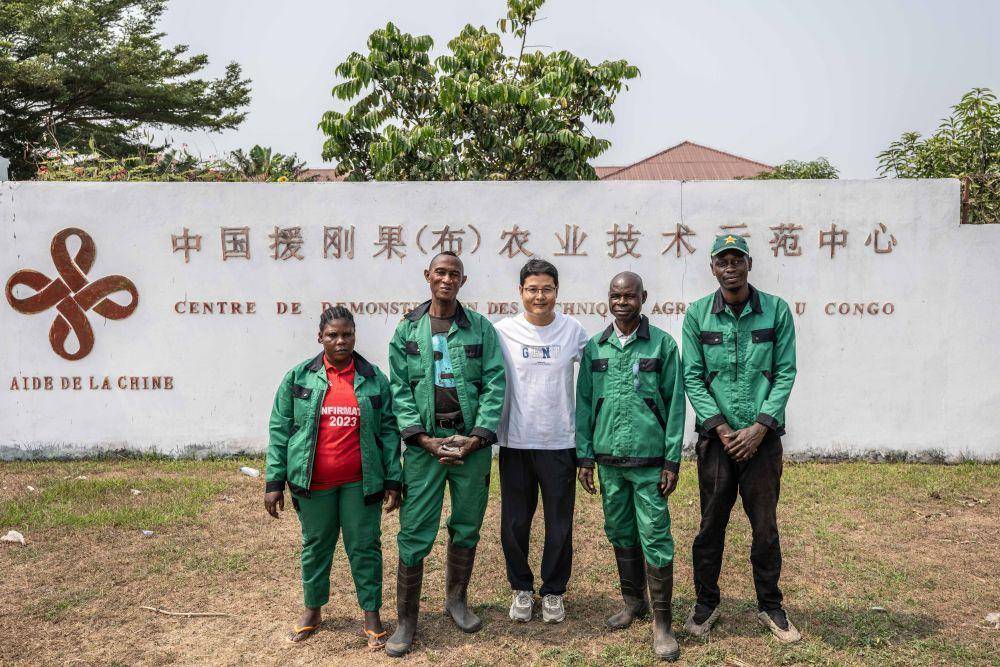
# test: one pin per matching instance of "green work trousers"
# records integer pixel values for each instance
(423, 498)
(635, 513)
(323, 516)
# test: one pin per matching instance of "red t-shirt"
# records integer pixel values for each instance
(338, 446)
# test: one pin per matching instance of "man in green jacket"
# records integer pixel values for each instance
(739, 366)
(630, 421)
(447, 376)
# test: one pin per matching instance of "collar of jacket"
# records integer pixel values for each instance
(719, 304)
(641, 332)
(361, 365)
(461, 319)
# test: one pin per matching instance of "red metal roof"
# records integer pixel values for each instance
(687, 161)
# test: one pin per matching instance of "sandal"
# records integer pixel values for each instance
(376, 640)
(303, 633)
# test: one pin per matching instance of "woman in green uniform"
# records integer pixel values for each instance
(334, 442)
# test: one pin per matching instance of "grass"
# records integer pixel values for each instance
(884, 564)
(109, 502)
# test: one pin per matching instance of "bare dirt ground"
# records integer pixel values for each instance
(888, 564)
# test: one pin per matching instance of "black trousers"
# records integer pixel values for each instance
(522, 473)
(758, 482)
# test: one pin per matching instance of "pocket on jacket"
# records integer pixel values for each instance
(298, 391)
(711, 337)
(599, 365)
(653, 365)
(762, 335)
(655, 409)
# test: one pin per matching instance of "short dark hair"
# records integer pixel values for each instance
(539, 267)
(447, 253)
(335, 313)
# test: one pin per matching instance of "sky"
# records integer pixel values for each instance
(769, 80)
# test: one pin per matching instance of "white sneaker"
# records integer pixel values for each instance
(553, 610)
(521, 606)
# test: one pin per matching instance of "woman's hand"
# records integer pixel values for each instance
(273, 502)
(391, 501)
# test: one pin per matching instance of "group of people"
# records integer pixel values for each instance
(458, 385)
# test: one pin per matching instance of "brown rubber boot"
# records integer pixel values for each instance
(632, 574)
(661, 593)
(456, 584)
(408, 583)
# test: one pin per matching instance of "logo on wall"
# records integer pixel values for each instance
(72, 294)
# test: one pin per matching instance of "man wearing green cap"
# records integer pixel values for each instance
(630, 421)
(739, 366)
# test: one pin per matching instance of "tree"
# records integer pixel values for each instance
(259, 164)
(965, 146)
(475, 113)
(818, 168)
(72, 71)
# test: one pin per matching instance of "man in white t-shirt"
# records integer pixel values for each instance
(537, 437)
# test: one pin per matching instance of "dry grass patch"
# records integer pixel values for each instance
(889, 564)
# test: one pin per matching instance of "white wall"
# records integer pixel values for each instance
(921, 379)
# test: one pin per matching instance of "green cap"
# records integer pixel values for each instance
(725, 242)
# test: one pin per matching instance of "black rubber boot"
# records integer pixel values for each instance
(408, 583)
(456, 584)
(661, 593)
(632, 574)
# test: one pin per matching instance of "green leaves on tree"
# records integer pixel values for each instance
(476, 112)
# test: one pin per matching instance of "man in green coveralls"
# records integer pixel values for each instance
(447, 379)
(739, 367)
(630, 421)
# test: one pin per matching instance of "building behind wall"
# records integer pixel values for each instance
(687, 161)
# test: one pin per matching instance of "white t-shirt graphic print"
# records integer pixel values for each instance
(539, 411)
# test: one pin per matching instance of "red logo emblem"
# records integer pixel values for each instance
(72, 294)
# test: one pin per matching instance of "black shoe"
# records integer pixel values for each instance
(702, 612)
(776, 620)
(779, 617)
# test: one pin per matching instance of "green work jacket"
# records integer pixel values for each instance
(477, 363)
(739, 370)
(630, 401)
(295, 421)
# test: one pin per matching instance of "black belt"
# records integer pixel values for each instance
(450, 423)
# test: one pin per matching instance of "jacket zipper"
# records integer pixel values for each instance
(736, 344)
(315, 439)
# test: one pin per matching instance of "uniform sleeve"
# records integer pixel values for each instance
(672, 394)
(772, 412)
(491, 397)
(280, 428)
(404, 406)
(585, 411)
(706, 410)
(389, 437)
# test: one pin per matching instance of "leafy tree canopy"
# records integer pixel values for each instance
(818, 168)
(475, 113)
(966, 146)
(72, 71)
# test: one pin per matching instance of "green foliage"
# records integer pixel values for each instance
(96, 69)
(260, 164)
(966, 146)
(475, 113)
(818, 168)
